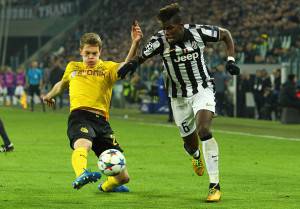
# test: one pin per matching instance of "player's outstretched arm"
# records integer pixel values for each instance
(131, 62)
(136, 37)
(57, 89)
(231, 66)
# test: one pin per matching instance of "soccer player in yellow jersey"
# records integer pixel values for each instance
(90, 85)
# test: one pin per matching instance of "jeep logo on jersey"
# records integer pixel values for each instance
(187, 57)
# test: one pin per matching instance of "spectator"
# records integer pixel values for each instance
(258, 92)
(34, 78)
(287, 96)
(21, 82)
(10, 85)
(3, 89)
(221, 79)
(55, 76)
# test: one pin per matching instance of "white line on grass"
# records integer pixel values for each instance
(227, 132)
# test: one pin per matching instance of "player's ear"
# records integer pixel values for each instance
(100, 51)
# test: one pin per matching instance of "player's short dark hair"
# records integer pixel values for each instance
(91, 39)
(171, 11)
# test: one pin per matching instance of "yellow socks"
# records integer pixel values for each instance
(79, 160)
(110, 183)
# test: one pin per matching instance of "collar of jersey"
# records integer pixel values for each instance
(100, 61)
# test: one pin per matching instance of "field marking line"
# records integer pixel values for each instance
(227, 132)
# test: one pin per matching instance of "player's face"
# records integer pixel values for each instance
(173, 32)
(34, 64)
(90, 54)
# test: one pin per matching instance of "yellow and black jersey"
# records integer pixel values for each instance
(91, 87)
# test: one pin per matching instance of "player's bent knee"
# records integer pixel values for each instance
(203, 131)
(83, 143)
(125, 180)
(123, 177)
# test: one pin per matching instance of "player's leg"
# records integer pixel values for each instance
(191, 146)
(10, 92)
(1, 96)
(210, 152)
(116, 183)
(7, 146)
(79, 156)
(204, 109)
(81, 134)
(4, 93)
(107, 140)
(184, 119)
(31, 94)
(17, 94)
(79, 163)
(61, 100)
(38, 93)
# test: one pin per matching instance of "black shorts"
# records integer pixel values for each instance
(94, 127)
(34, 89)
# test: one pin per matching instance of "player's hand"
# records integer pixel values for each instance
(231, 66)
(48, 100)
(136, 32)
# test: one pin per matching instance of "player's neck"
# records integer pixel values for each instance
(91, 66)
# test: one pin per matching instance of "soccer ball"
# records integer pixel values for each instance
(111, 162)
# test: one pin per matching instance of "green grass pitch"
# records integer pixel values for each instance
(259, 164)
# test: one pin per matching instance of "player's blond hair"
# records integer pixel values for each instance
(90, 39)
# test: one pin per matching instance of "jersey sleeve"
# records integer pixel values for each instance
(68, 71)
(153, 47)
(113, 70)
(209, 33)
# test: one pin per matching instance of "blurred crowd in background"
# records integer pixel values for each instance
(264, 31)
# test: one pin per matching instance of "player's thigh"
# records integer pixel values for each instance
(37, 91)
(183, 116)
(204, 106)
(31, 90)
(204, 100)
(4, 91)
(10, 91)
(105, 138)
(80, 130)
(19, 90)
(101, 144)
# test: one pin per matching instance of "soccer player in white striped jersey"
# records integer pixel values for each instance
(181, 47)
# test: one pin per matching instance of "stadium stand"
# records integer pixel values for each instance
(257, 41)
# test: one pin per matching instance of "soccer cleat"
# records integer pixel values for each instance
(121, 188)
(84, 178)
(214, 195)
(198, 166)
(7, 148)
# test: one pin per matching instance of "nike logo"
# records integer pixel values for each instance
(214, 156)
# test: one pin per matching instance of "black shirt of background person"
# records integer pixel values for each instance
(287, 96)
(55, 75)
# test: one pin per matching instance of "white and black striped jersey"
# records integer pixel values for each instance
(184, 61)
